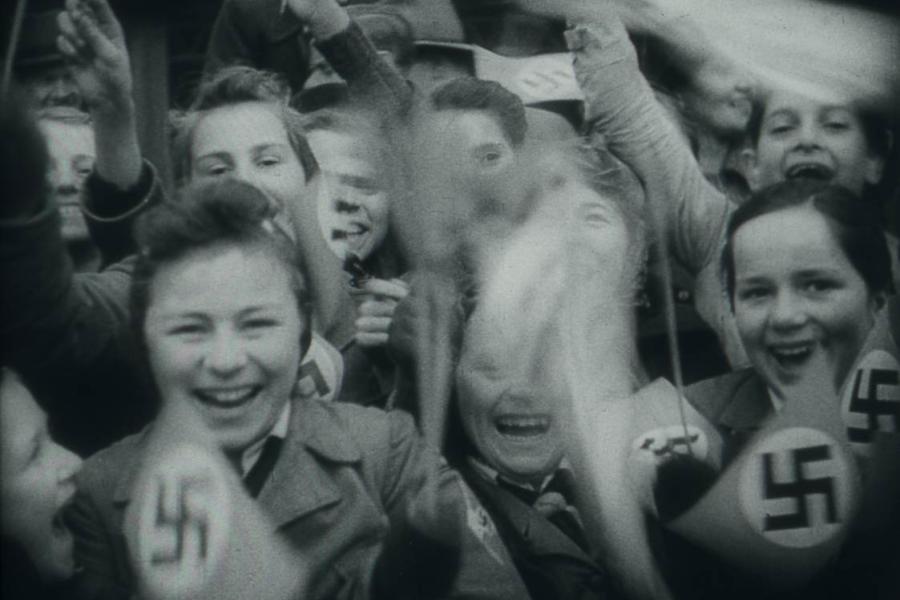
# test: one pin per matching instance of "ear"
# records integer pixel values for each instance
(874, 169)
(879, 300)
(749, 166)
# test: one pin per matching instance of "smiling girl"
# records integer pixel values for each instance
(807, 269)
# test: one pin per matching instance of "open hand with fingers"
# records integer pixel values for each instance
(91, 40)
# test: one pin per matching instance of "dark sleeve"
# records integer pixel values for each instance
(370, 78)
(97, 558)
(111, 212)
(49, 314)
(232, 39)
(68, 335)
(420, 557)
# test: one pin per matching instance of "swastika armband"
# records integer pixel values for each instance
(870, 403)
(193, 533)
(183, 520)
(796, 489)
(782, 508)
(320, 373)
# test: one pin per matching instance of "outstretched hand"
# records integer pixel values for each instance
(91, 40)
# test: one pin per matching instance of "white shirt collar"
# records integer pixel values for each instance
(493, 475)
(279, 430)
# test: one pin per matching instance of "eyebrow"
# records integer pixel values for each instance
(489, 146)
(753, 279)
(357, 180)
(256, 150)
(221, 155)
(786, 112)
(205, 316)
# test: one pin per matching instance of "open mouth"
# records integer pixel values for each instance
(59, 525)
(810, 170)
(232, 397)
(791, 356)
(521, 426)
(354, 234)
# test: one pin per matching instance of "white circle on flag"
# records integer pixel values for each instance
(796, 488)
(870, 402)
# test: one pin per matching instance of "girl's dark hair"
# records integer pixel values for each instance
(856, 227)
(471, 94)
(220, 213)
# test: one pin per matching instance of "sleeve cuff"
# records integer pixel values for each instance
(106, 203)
(349, 52)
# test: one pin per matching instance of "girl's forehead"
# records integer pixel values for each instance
(807, 101)
(235, 126)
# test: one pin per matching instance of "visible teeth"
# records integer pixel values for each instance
(810, 171)
(343, 234)
(228, 397)
(792, 351)
(523, 425)
(792, 355)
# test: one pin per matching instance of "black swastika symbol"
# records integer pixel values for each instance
(869, 405)
(672, 443)
(311, 369)
(799, 489)
(181, 522)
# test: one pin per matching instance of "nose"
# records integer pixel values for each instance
(808, 134)
(226, 355)
(787, 312)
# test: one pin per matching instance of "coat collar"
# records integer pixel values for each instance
(298, 484)
(545, 538)
(749, 408)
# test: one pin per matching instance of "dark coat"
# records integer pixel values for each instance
(345, 476)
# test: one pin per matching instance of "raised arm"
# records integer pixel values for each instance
(370, 78)
(67, 335)
(121, 185)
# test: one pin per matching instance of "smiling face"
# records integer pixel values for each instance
(249, 141)
(796, 294)
(223, 332)
(354, 215)
(803, 137)
(71, 151)
(508, 417)
(37, 482)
